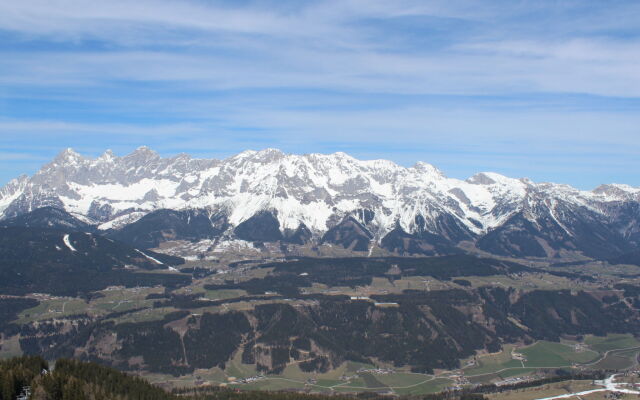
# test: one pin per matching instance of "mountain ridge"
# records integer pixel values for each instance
(318, 191)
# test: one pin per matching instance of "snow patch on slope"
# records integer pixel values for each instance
(149, 257)
(67, 242)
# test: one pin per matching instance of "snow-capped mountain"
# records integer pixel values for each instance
(330, 198)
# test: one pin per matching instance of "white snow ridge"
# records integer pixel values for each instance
(312, 189)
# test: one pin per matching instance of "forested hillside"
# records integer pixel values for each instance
(72, 263)
(421, 330)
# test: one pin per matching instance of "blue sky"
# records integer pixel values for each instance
(544, 89)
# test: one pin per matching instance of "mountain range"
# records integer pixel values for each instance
(321, 200)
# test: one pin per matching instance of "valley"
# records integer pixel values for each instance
(342, 325)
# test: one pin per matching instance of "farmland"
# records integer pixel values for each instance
(346, 325)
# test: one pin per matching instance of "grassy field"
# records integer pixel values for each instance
(148, 314)
(554, 389)
(402, 379)
(543, 354)
(330, 378)
(54, 308)
(430, 386)
(550, 354)
(629, 272)
(535, 281)
(237, 369)
(356, 383)
(293, 378)
(214, 376)
(489, 368)
(110, 301)
(489, 363)
(372, 381)
(421, 283)
(618, 360)
(611, 342)
(271, 384)
(498, 376)
(224, 294)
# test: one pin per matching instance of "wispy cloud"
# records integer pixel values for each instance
(456, 82)
(24, 157)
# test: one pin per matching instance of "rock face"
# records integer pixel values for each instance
(271, 196)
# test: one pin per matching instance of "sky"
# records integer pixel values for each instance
(548, 90)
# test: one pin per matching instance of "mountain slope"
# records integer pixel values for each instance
(48, 218)
(60, 263)
(349, 234)
(318, 192)
(162, 225)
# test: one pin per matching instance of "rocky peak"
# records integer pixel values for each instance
(617, 191)
(142, 155)
(428, 169)
(68, 156)
(316, 191)
(481, 178)
(107, 157)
